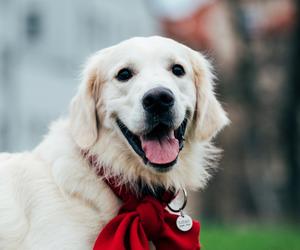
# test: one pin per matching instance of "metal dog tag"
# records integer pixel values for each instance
(184, 222)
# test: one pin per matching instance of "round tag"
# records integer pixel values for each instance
(184, 222)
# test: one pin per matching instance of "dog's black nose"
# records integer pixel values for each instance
(158, 100)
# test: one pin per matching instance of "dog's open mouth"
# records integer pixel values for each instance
(159, 147)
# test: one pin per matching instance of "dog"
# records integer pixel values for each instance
(146, 110)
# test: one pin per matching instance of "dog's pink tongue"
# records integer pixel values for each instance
(161, 151)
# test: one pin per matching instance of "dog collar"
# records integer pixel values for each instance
(143, 218)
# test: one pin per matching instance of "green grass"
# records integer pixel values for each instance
(249, 238)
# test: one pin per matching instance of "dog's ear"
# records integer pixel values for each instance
(209, 117)
(83, 111)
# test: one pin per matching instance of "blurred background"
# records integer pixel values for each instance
(253, 201)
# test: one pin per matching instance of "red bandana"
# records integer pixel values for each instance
(145, 219)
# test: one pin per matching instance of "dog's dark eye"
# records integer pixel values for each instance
(124, 74)
(178, 70)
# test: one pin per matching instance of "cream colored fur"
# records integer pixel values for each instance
(50, 198)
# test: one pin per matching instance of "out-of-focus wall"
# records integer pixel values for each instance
(42, 47)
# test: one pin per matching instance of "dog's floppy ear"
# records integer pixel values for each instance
(209, 117)
(83, 111)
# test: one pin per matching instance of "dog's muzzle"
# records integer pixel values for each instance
(161, 141)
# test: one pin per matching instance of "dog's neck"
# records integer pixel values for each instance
(112, 181)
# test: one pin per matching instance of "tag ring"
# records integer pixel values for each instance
(183, 204)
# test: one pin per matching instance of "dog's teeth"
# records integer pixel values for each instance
(171, 134)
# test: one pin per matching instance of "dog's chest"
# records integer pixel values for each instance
(60, 227)
(57, 220)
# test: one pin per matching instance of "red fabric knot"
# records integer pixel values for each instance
(151, 215)
(142, 220)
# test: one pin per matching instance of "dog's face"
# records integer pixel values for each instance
(146, 98)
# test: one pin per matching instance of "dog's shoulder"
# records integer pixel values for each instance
(19, 166)
(5, 156)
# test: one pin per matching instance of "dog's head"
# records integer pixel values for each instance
(147, 109)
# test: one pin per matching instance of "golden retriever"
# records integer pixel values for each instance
(146, 109)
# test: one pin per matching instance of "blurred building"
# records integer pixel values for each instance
(42, 47)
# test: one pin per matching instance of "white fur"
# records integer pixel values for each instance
(51, 198)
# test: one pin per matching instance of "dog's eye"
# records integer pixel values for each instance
(124, 74)
(178, 70)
